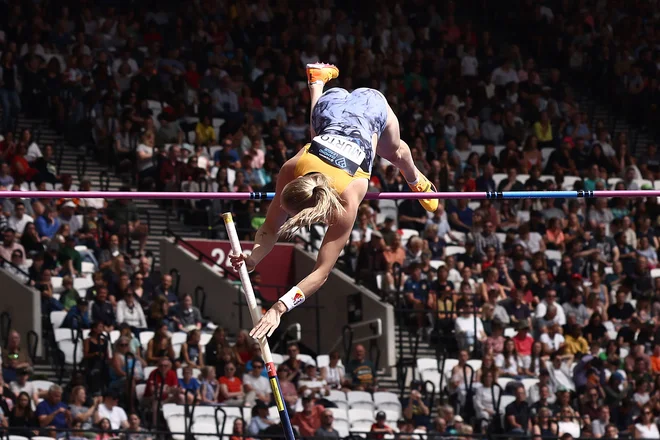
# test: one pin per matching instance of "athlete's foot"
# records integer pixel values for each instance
(424, 185)
(321, 73)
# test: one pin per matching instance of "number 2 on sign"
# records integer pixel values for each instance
(222, 259)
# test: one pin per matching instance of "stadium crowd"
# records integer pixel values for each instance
(554, 300)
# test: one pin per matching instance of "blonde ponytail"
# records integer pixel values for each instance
(315, 201)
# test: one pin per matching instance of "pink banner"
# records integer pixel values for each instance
(276, 269)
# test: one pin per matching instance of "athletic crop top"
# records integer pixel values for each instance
(340, 163)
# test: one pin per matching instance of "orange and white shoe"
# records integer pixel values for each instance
(424, 185)
(321, 73)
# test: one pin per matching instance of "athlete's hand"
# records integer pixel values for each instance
(269, 322)
(237, 260)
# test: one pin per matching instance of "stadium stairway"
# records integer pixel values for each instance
(158, 218)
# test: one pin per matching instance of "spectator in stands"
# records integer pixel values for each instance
(289, 391)
(256, 386)
(47, 224)
(136, 431)
(19, 219)
(188, 317)
(13, 357)
(379, 429)
(231, 387)
(165, 289)
(131, 313)
(160, 346)
(9, 245)
(191, 350)
(361, 373)
(309, 419)
(69, 258)
(78, 316)
(259, 421)
(80, 412)
(334, 372)
(209, 387)
(102, 310)
(52, 411)
(326, 430)
(518, 419)
(22, 418)
(189, 386)
(109, 409)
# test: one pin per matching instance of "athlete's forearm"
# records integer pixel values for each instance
(264, 242)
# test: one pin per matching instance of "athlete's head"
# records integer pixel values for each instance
(309, 199)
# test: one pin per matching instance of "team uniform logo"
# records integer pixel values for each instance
(298, 299)
(338, 151)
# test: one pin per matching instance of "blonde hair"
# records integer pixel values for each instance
(315, 201)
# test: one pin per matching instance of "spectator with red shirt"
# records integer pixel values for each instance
(231, 387)
(162, 386)
(309, 419)
(523, 340)
(380, 428)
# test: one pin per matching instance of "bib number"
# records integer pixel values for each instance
(338, 152)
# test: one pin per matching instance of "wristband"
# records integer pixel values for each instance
(293, 298)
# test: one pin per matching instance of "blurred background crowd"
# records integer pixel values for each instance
(556, 302)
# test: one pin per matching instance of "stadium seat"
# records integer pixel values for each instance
(278, 359)
(612, 181)
(139, 391)
(17, 437)
(360, 415)
(360, 400)
(114, 335)
(387, 401)
(509, 332)
(453, 250)
(145, 337)
(426, 364)
(56, 282)
(449, 365)
(387, 208)
(63, 334)
(342, 427)
(172, 409)
(433, 377)
(339, 414)
(522, 178)
(177, 350)
(179, 337)
(57, 318)
(460, 236)
(42, 384)
(391, 417)
(498, 177)
(569, 182)
(552, 254)
(503, 381)
(501, 237)
(475, 364)
(87, 267)
(322, 360)
(435, 264)
(71, 351)
(655, 273)
(148, 370)
(176, 423)
(273, 413)
(83, 283)
(205, 338)
(198, 429)
(529, 382)
(306, 359)
(339, 398)
(479, 149)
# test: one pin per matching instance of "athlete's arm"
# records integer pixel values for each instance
(266, 236)
(334, 241)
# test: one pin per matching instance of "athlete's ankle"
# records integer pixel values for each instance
(415, 181)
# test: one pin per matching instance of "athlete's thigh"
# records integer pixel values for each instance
(390, 139)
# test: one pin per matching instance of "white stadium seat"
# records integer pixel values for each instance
(360, 400)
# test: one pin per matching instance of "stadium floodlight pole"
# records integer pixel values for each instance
(255, 313)
(491, 195)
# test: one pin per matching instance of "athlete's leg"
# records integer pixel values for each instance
(315, 92)
(318, 74)
(394, 149)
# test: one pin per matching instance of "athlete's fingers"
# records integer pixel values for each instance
(272, 329)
